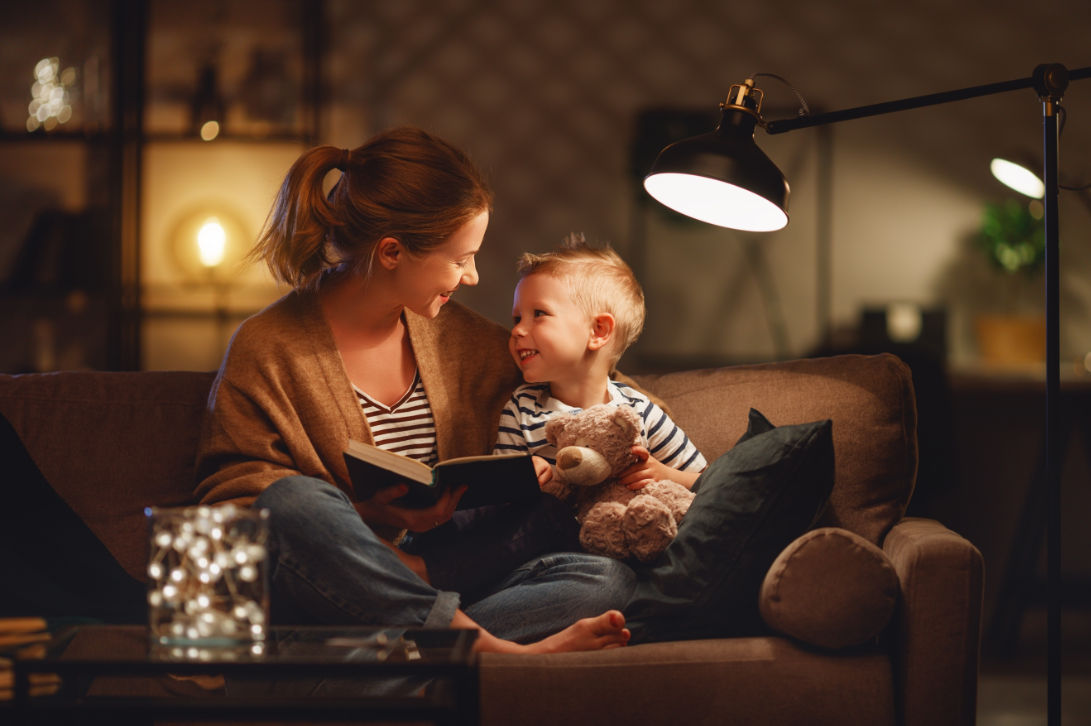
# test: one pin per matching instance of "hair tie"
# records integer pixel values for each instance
(343, 162)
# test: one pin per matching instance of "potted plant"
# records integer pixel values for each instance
(1012, 238)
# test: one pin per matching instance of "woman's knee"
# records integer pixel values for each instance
(297, 496)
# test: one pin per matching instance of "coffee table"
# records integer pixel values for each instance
(113, 673)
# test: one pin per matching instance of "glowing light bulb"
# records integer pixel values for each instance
(1018, 177)
(211, 242)
(210, 130)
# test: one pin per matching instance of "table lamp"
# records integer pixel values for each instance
(723, 178)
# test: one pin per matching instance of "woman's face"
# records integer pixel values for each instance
(431, 278)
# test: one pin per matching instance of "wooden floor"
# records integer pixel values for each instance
(1012, 690)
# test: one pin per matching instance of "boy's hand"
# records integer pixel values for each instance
(646, 470)
(542, 469)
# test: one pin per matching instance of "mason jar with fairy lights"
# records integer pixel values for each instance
(208, 575)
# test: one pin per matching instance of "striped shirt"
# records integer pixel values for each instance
(522, 426)
(407, 427)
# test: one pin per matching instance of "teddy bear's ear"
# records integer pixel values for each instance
(627, 419)
(555, 426)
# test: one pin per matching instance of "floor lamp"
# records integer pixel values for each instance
(723, 178)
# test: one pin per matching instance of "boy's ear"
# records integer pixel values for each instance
(602, 330)
(389, 252)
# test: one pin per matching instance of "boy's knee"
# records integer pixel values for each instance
(613, 580)
(621, 577)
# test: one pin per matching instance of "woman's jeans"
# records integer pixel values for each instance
(331, 568)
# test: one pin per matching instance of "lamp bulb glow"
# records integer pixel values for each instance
(210, 130)
(716, 202)
(1018, 177)
(211, 242)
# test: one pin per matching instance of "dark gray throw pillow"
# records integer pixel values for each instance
(750, 504)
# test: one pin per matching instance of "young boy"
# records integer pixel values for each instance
(576, 310)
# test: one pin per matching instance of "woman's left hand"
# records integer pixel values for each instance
(381, 509)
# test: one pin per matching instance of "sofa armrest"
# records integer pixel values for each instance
(938, 625)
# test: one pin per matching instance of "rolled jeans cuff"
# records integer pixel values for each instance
(443, 610)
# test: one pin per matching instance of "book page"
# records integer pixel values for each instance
(478, 457)
(401, 465)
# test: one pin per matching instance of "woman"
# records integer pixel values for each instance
(369, 327)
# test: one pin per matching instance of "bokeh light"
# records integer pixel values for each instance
(50, 105)
(210, 130)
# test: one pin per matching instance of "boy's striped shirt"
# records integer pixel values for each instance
(522, 425)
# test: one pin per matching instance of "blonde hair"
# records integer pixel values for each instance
(403, 183)
(600, 282)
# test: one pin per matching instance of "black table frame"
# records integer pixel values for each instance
(451, 699)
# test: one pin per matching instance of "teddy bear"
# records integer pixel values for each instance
(594, 446)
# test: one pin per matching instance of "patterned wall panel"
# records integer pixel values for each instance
(545, 96)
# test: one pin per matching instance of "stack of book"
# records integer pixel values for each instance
(25, 637)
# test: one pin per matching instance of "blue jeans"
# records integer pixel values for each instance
(331, 568)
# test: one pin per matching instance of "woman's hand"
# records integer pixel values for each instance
(381, 509)
(542, 469)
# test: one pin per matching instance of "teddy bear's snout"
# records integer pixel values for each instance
(569, 457)
(582, 466)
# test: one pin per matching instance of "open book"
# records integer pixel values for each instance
(491, 479)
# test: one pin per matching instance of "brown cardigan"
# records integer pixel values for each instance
(283, 404)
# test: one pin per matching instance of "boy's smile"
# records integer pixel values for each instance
(550, 333)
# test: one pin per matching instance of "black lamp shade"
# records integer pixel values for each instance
(722, 178)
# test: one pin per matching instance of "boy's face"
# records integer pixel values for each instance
(550, 333)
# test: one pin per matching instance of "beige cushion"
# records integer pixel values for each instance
(111, 444)
(869, 398)
(830, 588)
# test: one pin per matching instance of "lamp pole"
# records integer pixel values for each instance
(1050, 84)
(1049, 81)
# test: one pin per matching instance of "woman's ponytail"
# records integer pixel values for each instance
(293, 242)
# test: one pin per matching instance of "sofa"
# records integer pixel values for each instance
(869, 616)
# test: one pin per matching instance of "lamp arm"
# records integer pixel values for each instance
(1044, 73)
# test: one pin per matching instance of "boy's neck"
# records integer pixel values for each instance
(582, 394)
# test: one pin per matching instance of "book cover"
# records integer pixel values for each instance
(491, 479)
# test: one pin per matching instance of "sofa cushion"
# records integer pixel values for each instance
(110, 444)
(831, 588)
(869, 398)
(767, 680)
(67, 572)
(749, 504)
